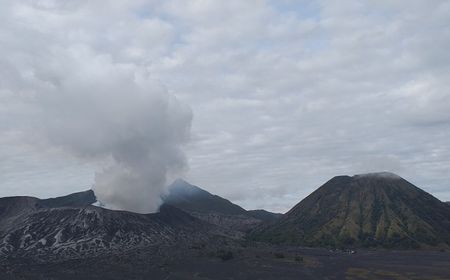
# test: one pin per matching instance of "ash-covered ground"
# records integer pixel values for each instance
(240, 261)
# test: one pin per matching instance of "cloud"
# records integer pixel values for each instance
(112, 111)
(286, 94)
(100, 110)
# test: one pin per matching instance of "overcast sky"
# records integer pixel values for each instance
(284, 94)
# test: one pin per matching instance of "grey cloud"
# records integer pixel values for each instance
(285, 97)
(100, 110)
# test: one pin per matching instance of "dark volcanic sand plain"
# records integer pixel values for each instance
(256, 261)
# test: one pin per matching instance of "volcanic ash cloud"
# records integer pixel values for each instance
(144, 153)
(111, 114)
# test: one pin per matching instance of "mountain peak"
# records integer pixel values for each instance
(191, 198)
(375, 209)
(213, 208)
(379, 175)
(371, 175)
(181, 187)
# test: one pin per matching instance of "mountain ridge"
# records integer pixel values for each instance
(31, 229)
(77, 199)
(194, 199)
(213, 208)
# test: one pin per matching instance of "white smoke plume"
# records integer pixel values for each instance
(117, 114)
(111, 113)
(67, 83)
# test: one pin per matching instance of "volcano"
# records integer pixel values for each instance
(368, 210)
(215, 209)
(64, 228)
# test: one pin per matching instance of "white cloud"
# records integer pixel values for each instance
(285, 93)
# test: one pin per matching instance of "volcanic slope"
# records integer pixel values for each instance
(31, 229)
(368, 210)
(215, 209)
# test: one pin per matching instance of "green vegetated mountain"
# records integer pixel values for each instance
(369, 210)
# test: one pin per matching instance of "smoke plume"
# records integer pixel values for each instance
(130, 121)
(70, 84)
(115, 114)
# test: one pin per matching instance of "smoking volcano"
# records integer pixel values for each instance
(115, 115)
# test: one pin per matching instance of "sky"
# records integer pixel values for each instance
(278, 96)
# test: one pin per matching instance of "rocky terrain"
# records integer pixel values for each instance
(198, 235)
(70, 227)
(30, 229)
(369, 210)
